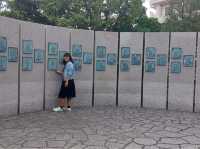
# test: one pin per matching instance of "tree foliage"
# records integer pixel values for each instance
(184, 15)
(111, 15)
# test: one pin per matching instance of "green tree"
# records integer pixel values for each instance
(25, 10)
(183, 15)
(110, 15)
(148, 25)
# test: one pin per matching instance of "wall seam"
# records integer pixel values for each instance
(93, 76)
(45, 57)
(195, 73)
(19, 68)
(142, 78)
(117, 81)
(168, 72)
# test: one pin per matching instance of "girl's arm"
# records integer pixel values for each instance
(59, 72)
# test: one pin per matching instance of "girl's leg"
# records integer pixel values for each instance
(61, 103)
(69, 104)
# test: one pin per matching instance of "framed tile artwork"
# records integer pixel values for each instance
(52, 48)
(38, 56)
(101, 52)
(125, 52)
(27, 63)
(3, 44)
(12, 54)
(27, 46)
(100, 65)
(111, 59)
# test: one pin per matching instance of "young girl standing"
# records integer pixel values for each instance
(68, 90)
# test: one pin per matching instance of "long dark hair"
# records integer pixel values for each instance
(67, 55)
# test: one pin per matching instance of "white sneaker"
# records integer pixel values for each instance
(69, 109)
(57, 109)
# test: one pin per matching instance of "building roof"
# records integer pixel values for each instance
(160, 2)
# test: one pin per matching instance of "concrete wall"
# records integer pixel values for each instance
(130, 82)
(105, 81)
(155, 83)
(32, 82)
(181, 86)
(84, 78)
(9, 28)
(28, 91)
(61, 36)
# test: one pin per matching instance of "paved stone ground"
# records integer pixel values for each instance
(102, 128)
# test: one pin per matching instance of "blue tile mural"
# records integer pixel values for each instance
(188, 60)
(3, 44)
(124, 65)
(27, 63)
(175, 67)
(111, 59)
(52, 64)
(162, 59)
(125, 52)
(150, 66)
(176, 53)
(87, 58)
(150, 53)
(77, 64)
(136, 59)
(101, 52)
(12, 54)
(3, 63)
(27, 46)
(38, 56)
(77, 50)
(52, 48)
(100, 65)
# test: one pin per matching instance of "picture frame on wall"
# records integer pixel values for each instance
(12, 54)
(125, 52)
(27, 46)
(77, 50)
(52, 64)
(162, 59)
(188, 60)
(100, 65)
(87, 58)
(150, 66)
(78, 64)
(176, 53)
(3, 63)
(111, 59)
(176, 67)
(27, 63)
(136, 59)
(150, 53)
(3, 44)
(124, 65)
(38, 56)
(52, 48)
(101, 52)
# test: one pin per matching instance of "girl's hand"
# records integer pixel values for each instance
(66, 83)
(59, 72)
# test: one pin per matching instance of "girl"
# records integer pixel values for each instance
(68, 86)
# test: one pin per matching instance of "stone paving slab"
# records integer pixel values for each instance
(101, 128)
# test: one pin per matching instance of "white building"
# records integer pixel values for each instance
(159, 9)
